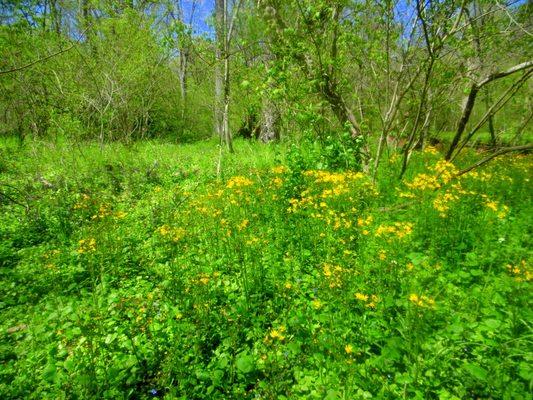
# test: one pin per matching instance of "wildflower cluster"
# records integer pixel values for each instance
(442, 202)
(521, 272)
(83, 202)
(205, 278)
(175, 234)
(398, 230)
(421, 301)
(333, 275)
(280, 169)
(238, 181)
(369, 301)
(321, 176)
(431, 150)
(87, 245)
(364, 222)
(501, 210)
(443, 173)
(103, 211)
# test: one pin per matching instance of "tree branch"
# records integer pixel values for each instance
(498, 153)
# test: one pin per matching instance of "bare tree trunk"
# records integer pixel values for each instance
(269, 128)
(225, 113)
(409, 145)
(219, 76)
(269, 121)
(183, 81)
(222, 82)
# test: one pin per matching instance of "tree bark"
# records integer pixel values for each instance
(270, 115)
(471, 99)
(219, 76)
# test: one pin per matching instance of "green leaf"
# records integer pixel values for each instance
(50, 373)
(476, 371)
(245, 362)
(525, 371)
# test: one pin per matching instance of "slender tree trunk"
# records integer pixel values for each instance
(183, 81)
(219, 73)
(492, 132)
(222, 78)
(225, 113)
(183, 63)
(269, 121)
(269, 128)
(409, 145)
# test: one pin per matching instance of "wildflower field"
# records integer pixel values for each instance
(159, 270)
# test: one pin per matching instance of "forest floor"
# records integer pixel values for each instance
(163, 270)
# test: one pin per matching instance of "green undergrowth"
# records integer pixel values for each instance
(162, 270)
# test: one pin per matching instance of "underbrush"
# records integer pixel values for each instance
(164, 271)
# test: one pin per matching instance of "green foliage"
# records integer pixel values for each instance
(135, 272)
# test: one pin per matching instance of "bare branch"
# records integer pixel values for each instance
(498, 153)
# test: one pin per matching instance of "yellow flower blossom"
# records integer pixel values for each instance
(521, 272)
(503, 212)
(243, 224)
(421, 301)
(317, 304)
(431, 150)
(493, 205)
(398, 230)
(279, 169)
(238, 181)
(87, 246)
(361, 296)
(204, 280)
(277, 334)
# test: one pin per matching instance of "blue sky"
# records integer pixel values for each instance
(203, 10)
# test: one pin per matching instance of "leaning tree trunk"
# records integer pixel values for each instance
(470, 100)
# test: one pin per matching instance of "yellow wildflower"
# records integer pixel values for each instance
(87, 245)
(317, 304)
(493, 205)
(361, 296)
(238, 181)
(421, 301)
(243, 224)
(277, 334)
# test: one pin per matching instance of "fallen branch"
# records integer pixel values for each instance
(498, 153)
